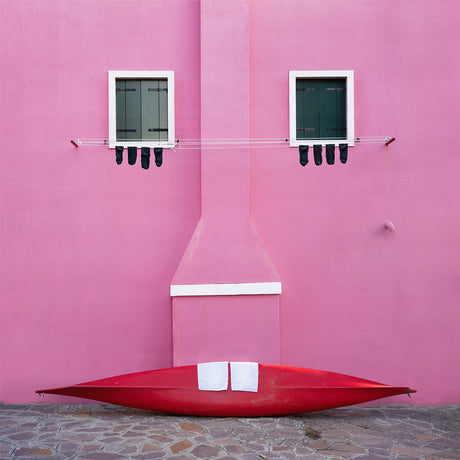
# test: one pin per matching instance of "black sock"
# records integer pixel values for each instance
(118, 154)
(330, 154)
(303, 152)
(317, 149)
(132, 155)
(343, 152)
(158, 151)
(145, 157)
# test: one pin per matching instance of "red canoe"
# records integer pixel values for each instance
(281, 390)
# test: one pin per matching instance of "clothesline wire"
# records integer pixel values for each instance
(278, 139)
(198, 148)
(184, 144)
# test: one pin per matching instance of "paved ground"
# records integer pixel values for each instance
(105, 432)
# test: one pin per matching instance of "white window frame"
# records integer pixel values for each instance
(140, 75)
(321, 74)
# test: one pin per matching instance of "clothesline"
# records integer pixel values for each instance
(193, 144)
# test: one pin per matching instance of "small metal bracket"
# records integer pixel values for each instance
(389, 140)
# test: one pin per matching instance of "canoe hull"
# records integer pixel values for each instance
(282, 390)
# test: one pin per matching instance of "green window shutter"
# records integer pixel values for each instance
(121, 109)
(163, 109)
(133, 109)
(342, 111)
(308, 108)
(154, 109)
(321, 111)
(142, 109)
(332, 109)
(150, 97)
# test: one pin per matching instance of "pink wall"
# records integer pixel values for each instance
(223, 328)
(89, 248)
(225, 247)
(356, 298)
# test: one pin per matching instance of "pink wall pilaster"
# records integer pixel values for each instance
(226, 247)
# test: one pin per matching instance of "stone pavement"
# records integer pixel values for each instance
(106, 432)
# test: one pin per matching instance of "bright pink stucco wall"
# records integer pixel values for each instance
(356, 298)
(89, 248)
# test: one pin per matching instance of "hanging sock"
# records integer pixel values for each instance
(158, 151)
(317, 149)
(145, 157)
(343, 152)
(132, 155)
(330, 154)
(303, 152)
(119, 154)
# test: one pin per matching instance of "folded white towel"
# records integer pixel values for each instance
(245, 376)
(213, 376)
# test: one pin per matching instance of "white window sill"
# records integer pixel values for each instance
(323, 142)
(139, 144)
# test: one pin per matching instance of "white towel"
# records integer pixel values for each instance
(245, 376)
(213, 376)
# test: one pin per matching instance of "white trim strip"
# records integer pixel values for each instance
(178, 290)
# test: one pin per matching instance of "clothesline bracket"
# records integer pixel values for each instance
(389, 140)
(78, 142)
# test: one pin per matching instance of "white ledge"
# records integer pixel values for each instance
(178, 290)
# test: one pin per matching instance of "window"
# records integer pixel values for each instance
(321, 108)
(141, 109)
